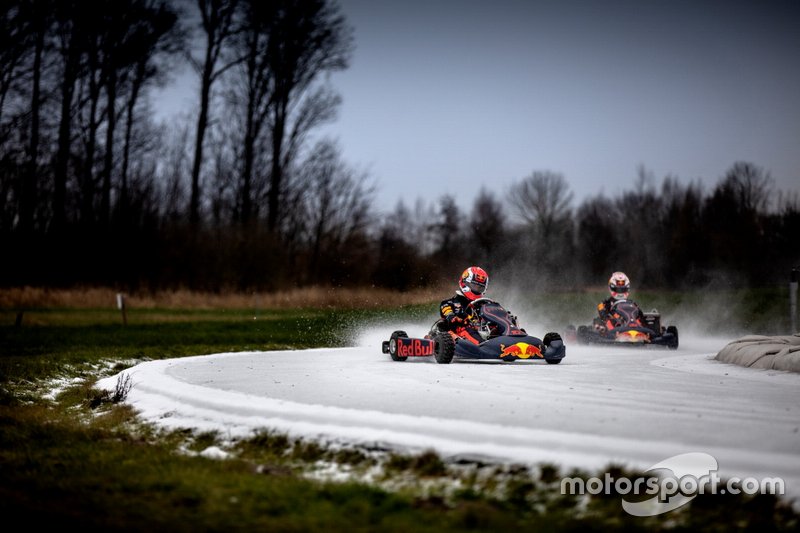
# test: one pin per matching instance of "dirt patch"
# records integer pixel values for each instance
(307, 297)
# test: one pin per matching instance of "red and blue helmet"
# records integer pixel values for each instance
(473, 282)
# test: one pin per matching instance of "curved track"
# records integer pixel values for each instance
(629, 406)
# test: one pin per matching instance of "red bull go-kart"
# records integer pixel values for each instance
(626, 325)
(502, 339)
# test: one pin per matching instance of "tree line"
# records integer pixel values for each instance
(241, 194)
(663, 234)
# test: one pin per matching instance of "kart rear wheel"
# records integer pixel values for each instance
(444, 348)
(393, 345)
(673, 345)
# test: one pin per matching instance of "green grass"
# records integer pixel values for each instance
(84, 461)
(51, 341)
(58, 474)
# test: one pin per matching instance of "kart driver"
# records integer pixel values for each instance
(455, 311)
(619, 286)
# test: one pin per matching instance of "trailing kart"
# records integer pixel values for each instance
(503, 339)
(626, 325)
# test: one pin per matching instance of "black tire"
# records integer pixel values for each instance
(674, 344)
(582, 334)
(550, 337)
(444, 348)
(393, 345)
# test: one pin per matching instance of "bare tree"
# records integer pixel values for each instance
(749, 185)
(70, 30)
(451, 233)
(543, 200)
(683, 248)
(638, 219)
(788, 202)
(27, 35)
(174, 158)
(133, 32)
(487, 223)
(91, 84)
(15, 41)
(398, 262)
(257, 82)
(155, 40)
(597, 237)
(219, 25)
(223, 197)
(306, 39)
(735, 214)
(337, 205)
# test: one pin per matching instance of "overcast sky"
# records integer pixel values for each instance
(451, 96)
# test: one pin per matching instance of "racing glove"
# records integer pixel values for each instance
(452, 316)
(458, 318)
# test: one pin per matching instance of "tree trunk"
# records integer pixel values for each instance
(65, 134)
(202, 124)
(126, 148)
(30, 186)
(108, 162)
(87, 181)
(276, 177)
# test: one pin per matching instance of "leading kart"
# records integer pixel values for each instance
(626, 325)
(503, 339)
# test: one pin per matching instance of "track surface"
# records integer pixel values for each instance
(601, 404)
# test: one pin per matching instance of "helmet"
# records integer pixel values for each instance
(473, 282)
(619, 285)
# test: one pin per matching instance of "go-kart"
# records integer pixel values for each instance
(626, 325)
(502, 339)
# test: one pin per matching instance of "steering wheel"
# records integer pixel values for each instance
(625, 313)
(475, 304)
(481, 301)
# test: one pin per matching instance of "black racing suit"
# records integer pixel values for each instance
(455, 317)
(604, 310)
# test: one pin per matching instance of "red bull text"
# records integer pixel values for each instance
(414, 347)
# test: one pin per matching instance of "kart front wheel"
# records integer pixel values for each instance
(393, 345)
(553, 345)
(444, 347)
